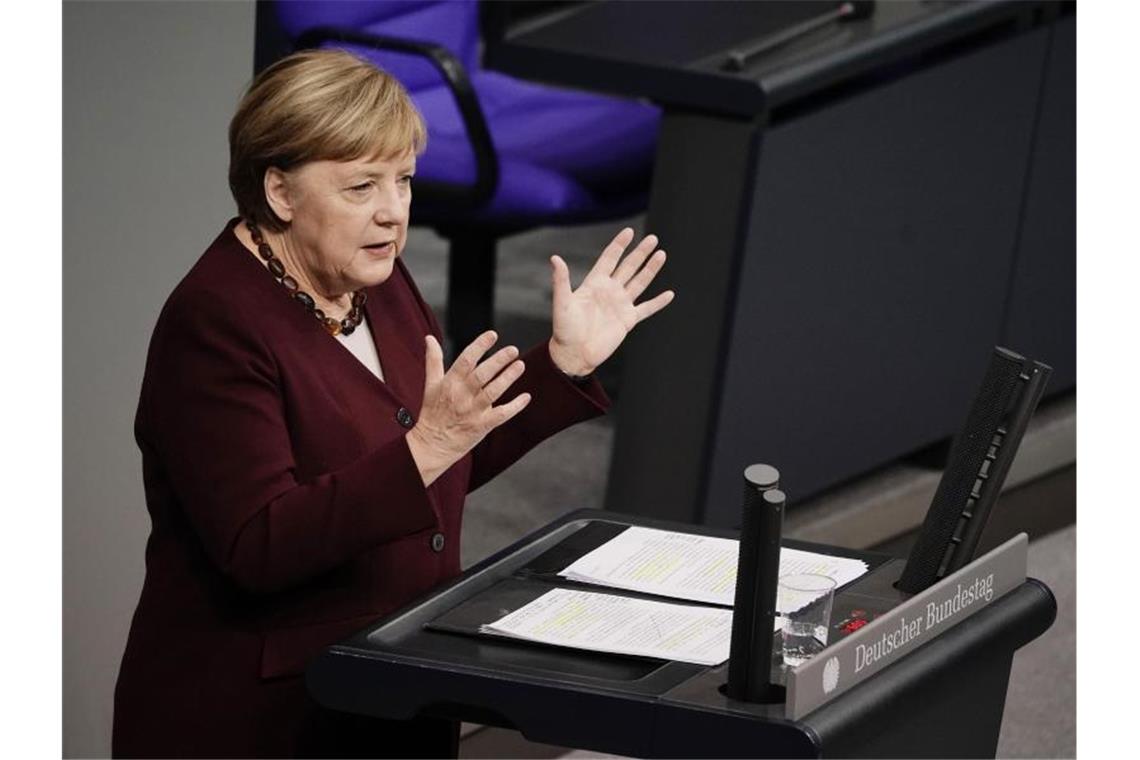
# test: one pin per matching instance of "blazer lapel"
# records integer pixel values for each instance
(402, 362)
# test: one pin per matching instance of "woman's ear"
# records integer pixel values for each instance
(277, 193)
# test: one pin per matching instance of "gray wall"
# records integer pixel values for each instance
(148, 89)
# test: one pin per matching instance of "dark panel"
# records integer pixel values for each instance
(700, 200)
(938, 718)
(270, 40)
(691, 30)
(876, 270)
(1042, 320)
(681, 63)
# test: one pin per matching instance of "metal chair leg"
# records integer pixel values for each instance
(470, 288)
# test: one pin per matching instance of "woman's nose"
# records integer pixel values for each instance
(390, 207)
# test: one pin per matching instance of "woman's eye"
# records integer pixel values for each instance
(406, 179)
(363, 187)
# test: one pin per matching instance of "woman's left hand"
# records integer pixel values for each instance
(592, 321)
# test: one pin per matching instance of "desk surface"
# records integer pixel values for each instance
(399, 668)
(604, 46)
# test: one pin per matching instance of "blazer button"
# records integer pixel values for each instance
(437, 542)
(404, 417)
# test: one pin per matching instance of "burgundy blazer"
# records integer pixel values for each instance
(286, 509)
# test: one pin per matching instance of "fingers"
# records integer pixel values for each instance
(631, 263)
(458, 412)
(504, 412)
(433, 362)
(559, 282)
(466, 362)
(504, 380)
(486, 371)
(647, 309)
(643, 278)
(605, 264)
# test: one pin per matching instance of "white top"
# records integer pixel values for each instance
(363, 348)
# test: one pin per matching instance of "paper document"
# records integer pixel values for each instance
(618, 624)
(688, 566)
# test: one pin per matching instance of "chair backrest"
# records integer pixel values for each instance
(454, 24)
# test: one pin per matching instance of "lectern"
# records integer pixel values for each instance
(938, 692)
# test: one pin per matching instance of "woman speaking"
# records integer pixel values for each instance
(305, 451)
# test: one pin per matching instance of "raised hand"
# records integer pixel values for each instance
(458, 409)
(592, 321)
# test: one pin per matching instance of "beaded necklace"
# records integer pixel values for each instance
(332, 326)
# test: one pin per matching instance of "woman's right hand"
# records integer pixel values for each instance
(458, 409)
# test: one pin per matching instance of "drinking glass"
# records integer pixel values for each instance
(804, 602)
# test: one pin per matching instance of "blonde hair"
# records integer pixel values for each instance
(316, 105)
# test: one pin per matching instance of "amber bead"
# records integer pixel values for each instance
(345, 326)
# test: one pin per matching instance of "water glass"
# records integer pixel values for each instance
(804, 602)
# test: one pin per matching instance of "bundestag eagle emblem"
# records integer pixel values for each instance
(830, 675)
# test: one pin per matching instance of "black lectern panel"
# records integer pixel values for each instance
(1042, 308)
(405, 666)
(880, 292)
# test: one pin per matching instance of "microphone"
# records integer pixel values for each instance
(852, 10)
(757, 572)
(979, 462)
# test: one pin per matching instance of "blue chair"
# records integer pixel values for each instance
(503, 155)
